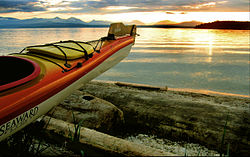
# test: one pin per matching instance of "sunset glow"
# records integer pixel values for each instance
(119, 8)
(148, 12)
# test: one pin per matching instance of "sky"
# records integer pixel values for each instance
(146, 11)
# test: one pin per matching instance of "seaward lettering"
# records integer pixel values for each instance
(18, 121)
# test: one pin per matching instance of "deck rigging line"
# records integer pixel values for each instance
(83, 50)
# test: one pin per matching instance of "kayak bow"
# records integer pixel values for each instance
(41, 76)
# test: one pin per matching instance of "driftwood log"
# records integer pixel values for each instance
(214, 121)
(90, 111)
(100, 140)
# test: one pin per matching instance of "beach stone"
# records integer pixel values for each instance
(88, 111)
(178, 115)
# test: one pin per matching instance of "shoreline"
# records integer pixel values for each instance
(208, 92)
(187, 90)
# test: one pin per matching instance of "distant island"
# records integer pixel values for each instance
(225, 25)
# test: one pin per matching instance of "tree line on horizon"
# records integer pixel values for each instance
(241, 25)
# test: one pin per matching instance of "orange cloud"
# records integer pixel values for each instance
(169, 12)
(203, 5)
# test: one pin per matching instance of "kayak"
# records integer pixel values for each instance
(41, 76)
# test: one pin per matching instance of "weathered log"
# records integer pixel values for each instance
(92, 112)
(193, 117)
(141, 86)
(102, 141)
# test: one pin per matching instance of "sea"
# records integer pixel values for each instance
(205, 60)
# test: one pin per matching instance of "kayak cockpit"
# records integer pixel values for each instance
(16, 71)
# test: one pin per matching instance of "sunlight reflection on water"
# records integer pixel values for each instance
(189, 58)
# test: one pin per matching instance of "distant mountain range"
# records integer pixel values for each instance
(181, 24)
(168, 23)
(7, 22)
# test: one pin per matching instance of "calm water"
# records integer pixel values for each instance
(213, 60)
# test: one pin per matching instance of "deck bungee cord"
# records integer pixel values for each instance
(59, 47)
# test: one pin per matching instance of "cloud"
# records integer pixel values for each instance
(19, 5)
(216, 5)
(162, 5)
(121, 6)
(168, 12)
(201, 5)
